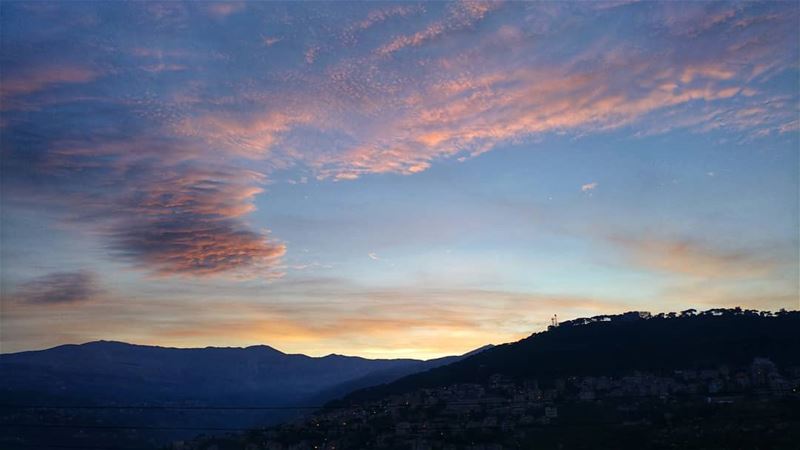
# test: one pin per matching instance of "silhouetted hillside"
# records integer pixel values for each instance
(717, 380)
(610, 345)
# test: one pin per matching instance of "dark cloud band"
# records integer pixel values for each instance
(59, 288)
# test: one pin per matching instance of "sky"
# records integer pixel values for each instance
(390, 179)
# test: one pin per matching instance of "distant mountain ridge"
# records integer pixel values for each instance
(278, 386)
(112, 371)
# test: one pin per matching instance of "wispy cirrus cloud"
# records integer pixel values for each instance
(378, 16)
(462, 15)
(486, 97)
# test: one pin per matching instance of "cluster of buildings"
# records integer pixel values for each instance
(484, 416)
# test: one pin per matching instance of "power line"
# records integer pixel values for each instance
(489, 402)
(431, 426)
(120, 427)
(414, 431)
(326, 426)
(160, 407)
(80, 447)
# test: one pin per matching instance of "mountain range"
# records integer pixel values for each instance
(107, 374)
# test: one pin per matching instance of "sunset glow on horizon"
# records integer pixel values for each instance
(390, 179)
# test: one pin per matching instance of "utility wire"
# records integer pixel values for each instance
(160, 407)
(81, 447)
(413, 431)
(488, 402)
(120, 427)
(431, 426)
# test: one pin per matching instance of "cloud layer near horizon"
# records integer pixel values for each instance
(155, 125)
(60, 288)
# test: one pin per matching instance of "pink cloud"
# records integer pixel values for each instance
(377, 16)
(252, 135)
(174, 214)
(462, 15)
(226, 8)
(696, 259)
(311, 54)
(588, 187)
(38, 78)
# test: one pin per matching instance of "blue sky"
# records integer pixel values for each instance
(390, 179)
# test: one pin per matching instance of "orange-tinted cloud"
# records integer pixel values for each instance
(462, 15)
(470, 99)
(694, 259)
(188, 225)
(464, 104)
(248, 135)
(378, 16)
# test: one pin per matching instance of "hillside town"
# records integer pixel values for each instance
(505, 414)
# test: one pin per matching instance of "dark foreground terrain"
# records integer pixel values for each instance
(722, 379)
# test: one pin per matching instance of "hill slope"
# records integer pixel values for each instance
(718, 380)
(609, 345)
